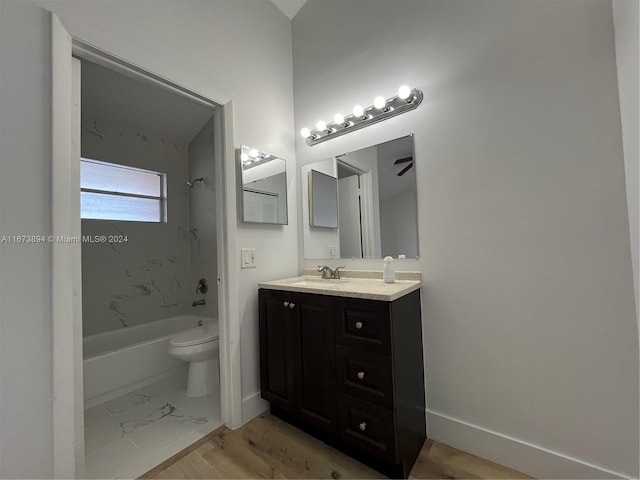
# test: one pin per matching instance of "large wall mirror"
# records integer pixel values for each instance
(264, 187)
(376, 200)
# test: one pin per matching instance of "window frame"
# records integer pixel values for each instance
(163, 198)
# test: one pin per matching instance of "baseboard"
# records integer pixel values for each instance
(531, 459)
(252, 406)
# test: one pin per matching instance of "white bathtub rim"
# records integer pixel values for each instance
(136, 328)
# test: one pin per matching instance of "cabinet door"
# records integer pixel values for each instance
(316, 353)
(278, 340)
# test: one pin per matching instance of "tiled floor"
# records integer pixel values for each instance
(131, 434)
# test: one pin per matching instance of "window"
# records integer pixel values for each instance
(117, 192)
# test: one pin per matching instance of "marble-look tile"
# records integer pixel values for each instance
(127, 402)
(102, 434)
(178, 381)
(95, 415)
(161, 434)
(137, 470)
(158, 420)
(177, 419)
(111, 460)
(161, 406)
(207, 406)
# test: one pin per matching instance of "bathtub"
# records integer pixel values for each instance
(123, 360)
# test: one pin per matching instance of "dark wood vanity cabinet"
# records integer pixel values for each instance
(297, 356)
(349, 371)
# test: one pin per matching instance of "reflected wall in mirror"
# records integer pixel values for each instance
(323, 200)
(377, 204)
(264, 187)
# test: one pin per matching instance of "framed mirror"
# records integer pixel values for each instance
(377, 204)
(264, 187)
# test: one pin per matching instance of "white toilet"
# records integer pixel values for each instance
(200, 347)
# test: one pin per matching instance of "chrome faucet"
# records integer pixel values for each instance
(329, 273)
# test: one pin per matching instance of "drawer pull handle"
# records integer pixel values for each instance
(360, 375)
(286, 304)
(359, 325)
(363, 426)
(292, 305)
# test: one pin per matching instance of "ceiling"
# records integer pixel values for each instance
(289, 7)
(115, 98)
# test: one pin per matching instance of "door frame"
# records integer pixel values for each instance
(368, 236)
(66, 279)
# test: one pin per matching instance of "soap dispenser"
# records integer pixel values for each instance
(388, 273)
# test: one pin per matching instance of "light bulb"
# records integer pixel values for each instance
(403, 92)
(253, 153)
(358, 111)
(338, 118)
(244, 157)
(321, 125)
(305, 132)
(379, 103)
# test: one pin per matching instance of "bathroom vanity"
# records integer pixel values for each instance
(342, 360)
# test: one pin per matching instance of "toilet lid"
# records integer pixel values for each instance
(195, 336)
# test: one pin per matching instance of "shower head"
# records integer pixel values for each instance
(191, 184)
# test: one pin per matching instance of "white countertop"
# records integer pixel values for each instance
(347, 286)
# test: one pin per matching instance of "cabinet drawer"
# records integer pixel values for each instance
(364, 324)
(367, 426)
(366, 375)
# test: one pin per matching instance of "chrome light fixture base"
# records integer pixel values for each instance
(393, 106)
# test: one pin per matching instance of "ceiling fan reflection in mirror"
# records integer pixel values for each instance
(406, 168)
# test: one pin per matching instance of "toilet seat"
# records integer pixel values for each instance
(195, 336)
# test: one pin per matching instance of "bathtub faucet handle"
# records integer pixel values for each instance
(202, 286)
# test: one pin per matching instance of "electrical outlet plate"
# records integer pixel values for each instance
(247, 258)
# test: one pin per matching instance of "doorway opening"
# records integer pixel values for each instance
(349, 210)
(149, 270)
(67, 266)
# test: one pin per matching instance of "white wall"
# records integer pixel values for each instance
(26, 429)
(625, 21)
(398, 224)
(530, 334)
(210, 47)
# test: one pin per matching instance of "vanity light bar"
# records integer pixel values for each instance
(251, 157)
(406, 100)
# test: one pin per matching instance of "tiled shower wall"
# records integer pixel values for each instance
(202, 211)
(147, 277)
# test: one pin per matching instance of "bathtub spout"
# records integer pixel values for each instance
(199, 303)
